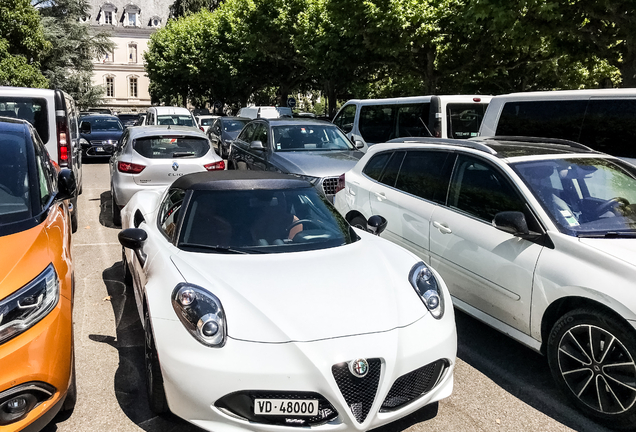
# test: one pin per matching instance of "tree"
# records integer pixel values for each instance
(69, 64)
(182, 8)
(22, 45)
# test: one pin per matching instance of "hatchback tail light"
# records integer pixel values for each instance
(130, 168)
(341, 183)
(62, 141)
(215, 166)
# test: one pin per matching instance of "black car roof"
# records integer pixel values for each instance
(239, 180)
(287, 121)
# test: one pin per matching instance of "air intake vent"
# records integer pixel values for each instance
(359, 393)
(413, 385)
(329, 185)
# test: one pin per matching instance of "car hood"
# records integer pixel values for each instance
(102, 135)
(28, 257)
(309, 296)
(316, 163)
(623, 249)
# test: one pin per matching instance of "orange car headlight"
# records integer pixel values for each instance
(28, 305)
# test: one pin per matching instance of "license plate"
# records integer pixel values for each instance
(99, 149)
(286, 407)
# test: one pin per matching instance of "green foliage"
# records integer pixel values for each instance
(268, 49)
(22, 45)
(69, 64)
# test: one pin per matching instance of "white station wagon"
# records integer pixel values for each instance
(535, 237)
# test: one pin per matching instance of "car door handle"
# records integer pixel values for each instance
(442, 227)
(380, 195)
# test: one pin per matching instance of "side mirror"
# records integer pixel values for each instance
(67, 187)
(257, 145)
(376, 224)
(512, 222)
(132, 238)
(85, 127)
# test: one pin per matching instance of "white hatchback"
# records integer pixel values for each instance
(152, 157)
(535, 237)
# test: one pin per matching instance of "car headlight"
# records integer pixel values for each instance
(28, 305)
(201, 313)
(313, 180)
(425, 284)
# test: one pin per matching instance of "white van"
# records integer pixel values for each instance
(254, 112)
(603, 119)
(169, 115)
(54, 116)
(372, 121)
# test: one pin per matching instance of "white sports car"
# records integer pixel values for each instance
(257, 317)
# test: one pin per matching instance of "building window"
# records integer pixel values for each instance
(109, 57)
(133, 87)
(132, 19)
(108, 17)
(110, 86)
(155, 21)
(132, 53)
(107, 14)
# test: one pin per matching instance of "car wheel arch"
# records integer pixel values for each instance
(564, 305)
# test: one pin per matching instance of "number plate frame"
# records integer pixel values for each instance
(273, 407)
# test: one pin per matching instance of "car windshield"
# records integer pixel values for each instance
(168, 147)
(175, 119)
(14, 179)
(585, 196)
(234, 125)
(262, 221)
(311, 137)
(104, 124)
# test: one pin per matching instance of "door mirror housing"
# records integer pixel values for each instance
(257, 145)
(132, 238)
(66, 184)
(376, 224)
(512, 222)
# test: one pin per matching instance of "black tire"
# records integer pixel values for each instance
(359, 222)
(116, 212)
(71, 393)
(592, 356)
(154, 380)
(74, 218)
(241, 166)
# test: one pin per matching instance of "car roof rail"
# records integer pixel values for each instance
(540, 140)
(469, 143)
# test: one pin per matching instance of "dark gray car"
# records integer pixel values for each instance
(223, 131)
(312, 149)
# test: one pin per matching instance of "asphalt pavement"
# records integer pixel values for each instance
(500, 385)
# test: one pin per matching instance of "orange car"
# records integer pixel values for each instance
(37, 377)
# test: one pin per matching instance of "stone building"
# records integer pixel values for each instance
(121, 72)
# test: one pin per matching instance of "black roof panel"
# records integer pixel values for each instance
(239, 180)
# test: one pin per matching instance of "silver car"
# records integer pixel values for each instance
(315, 150)
(153, 157)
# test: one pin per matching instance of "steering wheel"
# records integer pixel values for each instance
(611, 205)
(303, 221)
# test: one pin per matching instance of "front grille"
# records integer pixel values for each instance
(329, 185)
(359, 393)
(241, 404)
(413, 385)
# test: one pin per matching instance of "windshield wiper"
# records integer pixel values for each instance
(609, 234)
(182, 154)
(221, 249)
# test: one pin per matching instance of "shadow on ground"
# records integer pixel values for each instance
(517, 369)
(130, 381)
(106, 210)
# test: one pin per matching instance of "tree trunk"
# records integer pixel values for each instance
(430, 74)
(330, 91)
(628, 68)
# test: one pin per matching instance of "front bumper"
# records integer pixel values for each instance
(213, 388)
(42, 354)
(98, 150)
